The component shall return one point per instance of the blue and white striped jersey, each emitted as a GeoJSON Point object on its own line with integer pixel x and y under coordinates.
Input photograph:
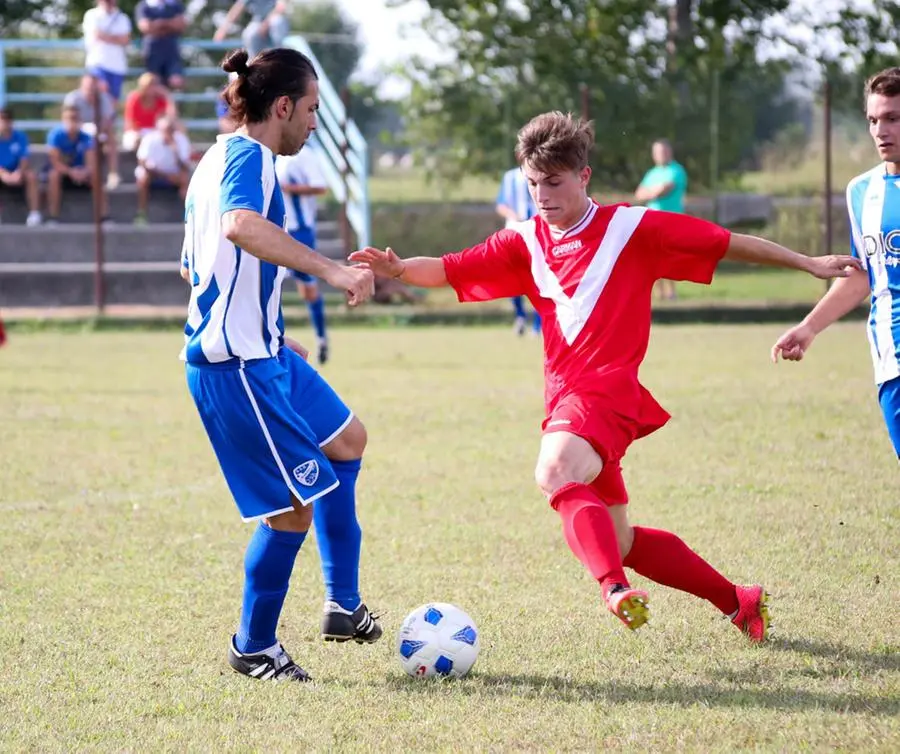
{"type": "Point", "coordinates": [514, 194]}
{"type": "Point", "coordinates": [873, 201]}
{"type": "Point", "coordinates": [235, 308]}
{"type": "Point", "coordinates": [301, 169]}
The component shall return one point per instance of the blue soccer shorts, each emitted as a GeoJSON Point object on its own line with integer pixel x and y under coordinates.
{"type": "Point", "coordinates": [889, 398]}
{"type": "Point", "coordinates": [306, 236]}
{"type": "Point", "coordinates": [267, 422]}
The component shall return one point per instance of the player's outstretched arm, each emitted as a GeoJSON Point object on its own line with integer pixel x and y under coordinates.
{"type": "Point", "coordinates": [422, 272]}
{"type": "Point", "coordinates": [256, 235]}
{"type": "Point", "coordinates": [843, 296]}
{"type": "Point", "coordinates": [754, 250]}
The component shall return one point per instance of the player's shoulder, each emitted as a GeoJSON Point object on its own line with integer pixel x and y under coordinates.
{"type": "Point", "coordinates": [861, 182]}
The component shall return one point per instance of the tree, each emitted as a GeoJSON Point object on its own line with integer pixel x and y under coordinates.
{"type": "Point", "coordinates": [651, 67]}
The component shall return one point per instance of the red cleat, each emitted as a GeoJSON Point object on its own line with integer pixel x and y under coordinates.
{"type": "Point", "coordinates": [629, 606]}
{"type": "Point", "coordinates": [753, 612]}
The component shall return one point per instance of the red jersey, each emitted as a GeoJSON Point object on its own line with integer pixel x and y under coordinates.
{"type": "Point", "coordinates": [139, 117]}
{"type": "Point", "coordinates": [592, 286]}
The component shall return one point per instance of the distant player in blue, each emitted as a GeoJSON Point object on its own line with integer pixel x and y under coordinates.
{"type": "Point", "coordinates": [873, 202]}
{"type": "Point", "coordinates": [301, 182]}
{"type": "Point", "coordinates": [290, 450]}
{"type": "Point", "coordinates": [664, 187]}
{"type": "Point", "coordinates": [515, 205]}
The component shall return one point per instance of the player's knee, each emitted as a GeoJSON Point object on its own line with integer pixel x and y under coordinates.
{"type": "Point", "coordinates": [349, 444]}
{"type": "Point", "coordinates": [297, 520]}
{"type": "Point", "coordinates": [555, 471]}
{"type": "Point", "coordinates": [311, 292]}
{"type": "Point", "coordinates": [551, 474]}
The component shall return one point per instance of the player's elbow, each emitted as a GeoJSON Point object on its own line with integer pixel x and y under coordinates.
{"type": "Point", "coordinates": [236, 226]}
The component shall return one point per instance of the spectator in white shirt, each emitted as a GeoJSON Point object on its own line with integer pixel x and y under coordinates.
{"type": "Point", "coordinates": [107, 32]}
{"type": "Point", "coordinates": [164, 161]}
{"type": "Point", "coordinates": [100, 124]}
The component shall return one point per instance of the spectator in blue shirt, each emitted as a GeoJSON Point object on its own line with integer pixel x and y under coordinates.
{"type": "Point", "coordinates": [72, 161]}
{"type": "Point", "coordinates": [16, 174]}
{"type": "Point", "coordinates": [162, 23]}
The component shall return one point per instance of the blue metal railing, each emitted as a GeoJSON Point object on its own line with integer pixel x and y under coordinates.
{"type": "Point", "coordinates": [343, 146]}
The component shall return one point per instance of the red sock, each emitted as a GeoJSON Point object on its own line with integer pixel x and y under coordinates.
{"type": "Point", "coordinates": [662, 557]}
{"type": "Point", "coordinates": [2, 333]}
{"type": "Point", "coordinates": [590, 533]}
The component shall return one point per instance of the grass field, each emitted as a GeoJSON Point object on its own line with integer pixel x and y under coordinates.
{"type": "Point", "coordinates": [121, 566]}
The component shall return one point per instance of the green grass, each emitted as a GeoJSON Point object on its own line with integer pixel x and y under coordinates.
{"type": "Point", "coordinates": [121, 567]}
{"type": "Point", "coordinates": [414, 186]}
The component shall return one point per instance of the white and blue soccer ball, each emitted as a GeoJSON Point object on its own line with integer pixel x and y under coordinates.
{"type": "Point", "coordinates": [438, 639]}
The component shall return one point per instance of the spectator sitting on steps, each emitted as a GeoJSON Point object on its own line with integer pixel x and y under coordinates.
{"type": "Point", "coordinates": [16, 174]}
{"type": "Point", "coordinates": [143, 107]}
{"type": "Point", "coordinates": [72, 162]}
{"type": "Point", "coordinates": [99, 125]}
{"type": "Point", "coordinates": [268, 25]}
{"type": "Point", "coordinates": [164, 161]}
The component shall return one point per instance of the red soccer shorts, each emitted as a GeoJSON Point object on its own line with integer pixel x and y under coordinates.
{"type": "Point", "coordinates": [609, 434]}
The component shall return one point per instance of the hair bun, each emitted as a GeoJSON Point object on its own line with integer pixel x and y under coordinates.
{"type": "Point", "coordinates": [236, 62]}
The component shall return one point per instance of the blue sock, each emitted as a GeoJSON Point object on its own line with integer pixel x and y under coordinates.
{"type": "Point", "coordinates": [537, 322]}
{"type": "Point", "coordinates": [519, 306]}
{"type": "Point", "coordinates": [267, 568]}
{"type": "Point", "coordinates": [339, 537]}
{"type": "Point", "coordinates": [317, 315]}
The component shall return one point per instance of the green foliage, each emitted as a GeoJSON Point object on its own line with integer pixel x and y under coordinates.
{"type": "Point", "coordinates": [646, 77]}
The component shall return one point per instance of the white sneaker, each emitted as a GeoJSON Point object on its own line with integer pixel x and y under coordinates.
{"type": "Point", "coordinates": [34, 219]}
{"type": "Point", "coordinates": [113, 181]}
{"type": "Point", "coordinates": [520, 326]}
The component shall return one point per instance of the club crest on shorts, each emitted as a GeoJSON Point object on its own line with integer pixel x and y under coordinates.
{"type": "Point", "coordinates": [307, 473]}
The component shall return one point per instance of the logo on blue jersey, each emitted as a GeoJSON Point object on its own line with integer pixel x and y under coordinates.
{"type": "Point", "coordinates": [307, 473]}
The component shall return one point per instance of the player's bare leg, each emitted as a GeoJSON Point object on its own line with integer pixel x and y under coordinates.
{"type": "Point", "coordinates": [566, 465]}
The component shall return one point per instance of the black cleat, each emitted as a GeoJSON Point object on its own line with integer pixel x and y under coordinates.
{"type": "Point", "coordinates": [272, 664]}
{"type": "Point", "coordinates": [342, 625]}
{"type": "Point", "coordinates": [323, 351]}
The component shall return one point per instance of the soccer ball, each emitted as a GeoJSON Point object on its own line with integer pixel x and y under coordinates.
{"type": "Point", "coordinates": [438, 639]}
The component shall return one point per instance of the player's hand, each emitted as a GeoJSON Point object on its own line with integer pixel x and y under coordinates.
{"type": "Point", "coordinates": [385, 264]}
{"type": "Point", "coordinates": [793, 344]}
{"type": "Point", "coordinates": [297, 348]}
{"type": "Point", "coordinates": [833, 266]}
{"type": "Point", "coordinates": [357, 280]}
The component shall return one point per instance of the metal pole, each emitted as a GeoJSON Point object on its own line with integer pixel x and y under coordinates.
{"type": "Point", "coordinates": [97, 195]}
{"type": "Point", "coordinates": [714, 143]}
{"type": "Point", "coordinates": [345, 170]}
{"type": "Point", "coordinates": [826, 114]}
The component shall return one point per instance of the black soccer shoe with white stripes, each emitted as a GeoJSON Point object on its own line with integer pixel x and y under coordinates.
{"type": "Point", "coordinates": [272, 664]}
{"type": "Point", "coordinates": [342, 625]}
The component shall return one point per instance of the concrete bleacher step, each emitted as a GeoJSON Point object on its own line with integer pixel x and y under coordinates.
{"type": "Point", "coordinates": [57, 264]}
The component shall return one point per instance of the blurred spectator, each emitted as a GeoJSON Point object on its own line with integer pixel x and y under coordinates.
{"type": "Point", "coordinates": [104, 131]}
{"type": "Point", "coordinates": [107, 32]}
{"type": "Point", "coordinates": [72, 162]}
{"type": "Point", "coordinates": [663, 187]}
{"type": "Point", "coordinates": [16, 174]}
{"type": "Point", "coordinates": [268, 25]}
{"type": "Point", "coordinates": [164, 161]}
{"type": "Point", "coordinates": [162, 23]}
{"type": "Point", "coordinates": [143, 107]}
{"type": "Point", "coordinates": [223, 113]}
